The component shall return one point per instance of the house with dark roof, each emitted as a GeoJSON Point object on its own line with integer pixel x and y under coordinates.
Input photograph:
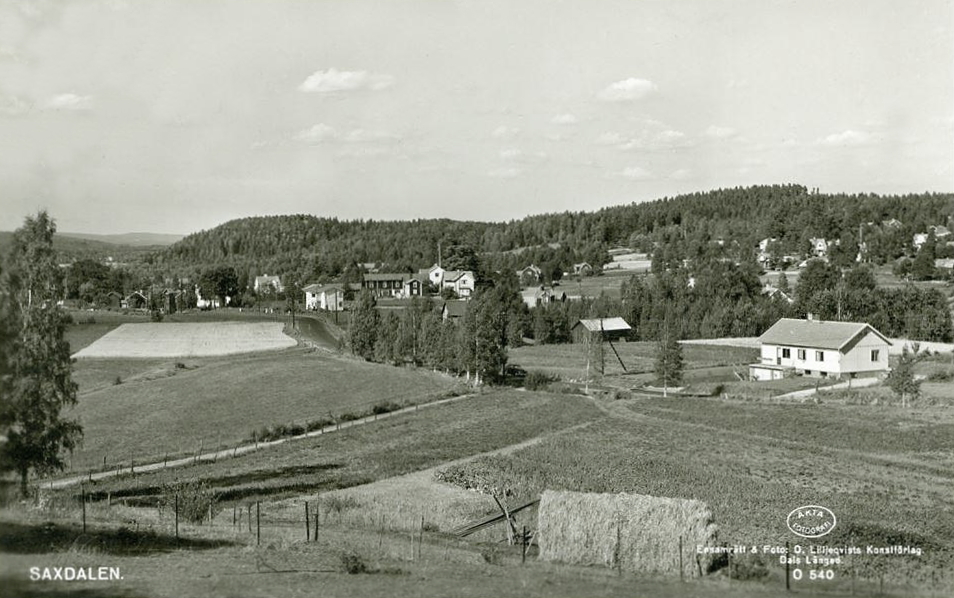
{"type": "Point", "coordinates": [385, 284]}
{"type": "Point", "coordinates": [530, 276]}
{"type": "Point", "coordinates": [453, 309]}
{"type": "Point", "coordinates": [820, 348]}
{"type": "Point", "coordinates": [609, 329]}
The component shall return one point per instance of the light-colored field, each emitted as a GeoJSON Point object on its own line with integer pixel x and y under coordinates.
{"type": "Point", "coordinates": [165, 340]}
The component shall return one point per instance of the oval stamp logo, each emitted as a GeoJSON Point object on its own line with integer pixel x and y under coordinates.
{"type": "Point", "coordinates": [811, 521]}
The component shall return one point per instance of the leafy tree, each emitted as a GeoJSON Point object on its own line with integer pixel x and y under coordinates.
{"type": "Point", "coordinates": [901, 379]}
{"type": "Point", "coordinates": [365, 321]}
{"type": "Point", "coordinates": [219, 282]}
{"type": "Point", "coordinates": [923, 266]}
{"type": "Point", "coordinates": [35, 365]}
{"type": "Point", "coordinates": [669, 363]}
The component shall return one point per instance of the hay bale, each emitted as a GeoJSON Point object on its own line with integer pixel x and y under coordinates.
{"type": "Point", "coordinates": [632, 531]}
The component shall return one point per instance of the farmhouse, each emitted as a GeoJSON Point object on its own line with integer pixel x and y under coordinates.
{"type": "Point", "coordinates": [541, 295]}
{"type": "Point", "coordinates": [582, 269]}
{"type": "Point", "coordinates": [820, 348]}
{"type": "Point", "coordinates": [385, 284]}
{"type": "Point", "coordinates": [330, 298]}
{"type": "Point", "coordinates": [460, 281]}
{"type": "Point", "coordinates": [268, 284]}
{"type": "Point", "coordinates": [435, 274]}
{"type": "Point", "coordinates": [530, 275]}
{"type": "Point", "coordinates": [609, 329]}
{"type": "Point", "coordinates": [135, 300]}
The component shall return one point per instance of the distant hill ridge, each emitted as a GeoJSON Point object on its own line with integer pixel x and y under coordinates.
{"type": "Point", "coordinates": [130, 239]}
{"type": "Point", "coordinates": [311, 247]}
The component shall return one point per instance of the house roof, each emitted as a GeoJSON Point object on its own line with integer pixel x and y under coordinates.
{"type": "Point", "coordinates": [452, 275]}
{"type": "Point", "coordinates": [402, 276]}
{"type": "Point", "coordinates": [455, 309]}
{"type": "Point", "coordinates": [820, 334]}
{"type": "Point", "coordinates": [604, 324]}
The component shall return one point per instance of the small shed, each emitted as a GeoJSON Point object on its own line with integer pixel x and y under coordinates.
{"type": "Point", "coordinates": [114, 300]}
{"type": "Point", "coordinates": [135, 300]}
{"type": "Point", "coordinates": [607, 329]}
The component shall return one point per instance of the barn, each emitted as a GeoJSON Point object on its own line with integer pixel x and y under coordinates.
{"type": "Point", "coordinates": [607, 329]}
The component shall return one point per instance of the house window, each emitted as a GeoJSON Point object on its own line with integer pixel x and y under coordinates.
{"type": "Point", "coordinates": [819, 356]}
{"type": "Point", "coordinates": [786, 353]}
{"type": "Point", "coordinates": [801, 354]}
{"type": "Point", "coordinates": [875, 354]}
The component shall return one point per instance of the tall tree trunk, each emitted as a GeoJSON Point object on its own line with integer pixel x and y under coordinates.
{"type": "Point", "coordinates": [24, 490]}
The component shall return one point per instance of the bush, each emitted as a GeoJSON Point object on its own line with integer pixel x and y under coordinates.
{"type": "Point", "coordinates": [386, 407]}
{"type": "Point", "coordinates": [537, 380]}
{"type": "Point", "coordinates": [196, 500]}
{"type": "Point", "coordinates": [353, 564]}
{"type": "Point", "coordinates": [155, 315]}
{"type": "Point", "coordinates": [117, 381]}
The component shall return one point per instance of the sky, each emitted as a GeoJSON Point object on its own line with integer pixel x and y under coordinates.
{"type": "Point", "coordinates": [175, 116]}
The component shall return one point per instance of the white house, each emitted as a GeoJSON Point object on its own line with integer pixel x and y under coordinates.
{"type": "Point", "coordinates": [208, 303]}
{"type": "Point", "coordinates": [329, 298]}
{"type": "Point", "coordinates": [822, 349]}
{"type": "Point", "coordinates": [262, 284]}
{"type": "Point", "coordinates": [461, 281]}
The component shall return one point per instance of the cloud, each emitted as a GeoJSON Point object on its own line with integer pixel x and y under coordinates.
{"type": "Point", "coordinates": [609, 138]}
{"type": "Point", "coordinates": [365, 136]}
{"type": "Point", "coordinates": [510, 154]}
{"type": "Point", "coordinates": [322, 133]}
{"type": "Point", "coordinates": [504, 132]}
{"type": "Point", "coordinates": [845, 138]}
{"type": "Point", "coordinates": [636, 173]}
{"type": "Point", "coordinates": [317, 134]}
{"type": "Point", "coordinates": [564, 119]}
{"type": "Point", "coordinates": [627, 90]}
{"type": "Point", "coordinates": [718, 132]}
{"type": "Point", "coordinates": [681, 174]}
{"type": "Point", "coordinates": [13, 106]}
{"type": "Point", "coordinates": [505, 173]}
{"type": "Point", "coordinates": [333, 80]}
{"type": "Point", "coordinates": [69, 101]}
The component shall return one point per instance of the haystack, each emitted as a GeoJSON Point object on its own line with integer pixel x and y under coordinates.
{"type": "Point", "coordinates": [631, 531]}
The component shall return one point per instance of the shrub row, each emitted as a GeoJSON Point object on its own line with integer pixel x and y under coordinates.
{"type": "Point", "coordinates": [268, 433]}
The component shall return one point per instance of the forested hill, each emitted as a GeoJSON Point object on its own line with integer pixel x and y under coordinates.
{"type": "Point", "coordinates": [311, 247]}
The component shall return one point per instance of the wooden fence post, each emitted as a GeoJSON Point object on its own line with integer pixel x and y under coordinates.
{"type": "Point", "coordinates": [523, 542]}
{"type": "Point", "coordinates": [249, 517]}
{"type": "Point", "coordinates": [307, 524]}
{"type": "Point", "coordinates": [258, 522]}
{"type": "Point", "coordinates": [177, 517]}
{"type": "Point", "coordinates": [83, 498]}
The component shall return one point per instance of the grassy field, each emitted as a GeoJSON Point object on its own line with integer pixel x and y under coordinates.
{"type": "Point", "coordinates": [169, 340]}
{"type": "Point", "coordinates": [163, 409]}
{"type": "Point", "coordinates": [378, 450]}
{"type": "Point", "coordinates": [886, 472]}
{"type": "Point", "coordinates": [343, 562]}
{"type": "Point", "coordinates": [569, 362]}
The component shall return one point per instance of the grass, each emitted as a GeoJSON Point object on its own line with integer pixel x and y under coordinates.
{"type": "Point", "coordinates": [375, 451]}
{"type": "Point", "coordinates": [569, 362]}
{"type": "Point", "coordinates": [885, 472]}
{"type": "Point", "coordinates": [219, 402]}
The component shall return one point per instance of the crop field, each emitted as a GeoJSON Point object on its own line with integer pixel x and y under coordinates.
{"type": "Point", "coordinates": [568, 361]}
{"type": "Point", "coordinates": [173, 339]}
{"type": "Point", "coordinates": [378, 450]}
{"type": "Point", "coordinates": [887, 472]}
{"type": "Point", "coordinates": [165, 409]}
